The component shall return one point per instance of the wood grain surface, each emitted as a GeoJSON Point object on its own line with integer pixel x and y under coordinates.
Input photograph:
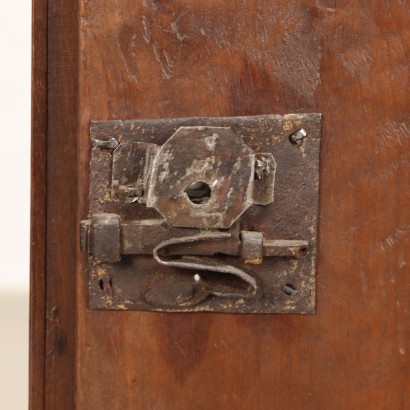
{"type": "Point", "coordinates": [55, 86]}
{"type": "Point", "coordinates": [38, 205]}
{"type": "Point", "coordinates": [161, 59]}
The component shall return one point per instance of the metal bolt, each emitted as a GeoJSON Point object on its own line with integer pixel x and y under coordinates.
{"type": "Point", "coordinates": [289, 289]}
{"type": "Point", "coordinates": [111, 143]}
{"type": "Point", "coordinates": [297, 137]}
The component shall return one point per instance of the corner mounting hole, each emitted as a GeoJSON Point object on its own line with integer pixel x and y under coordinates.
{"type": "Point", "coordinates": [198, 192]}
{"type": "Point", "coordinates": [303, 250]}
{"type": "Point", "coordinates": [289, 289]}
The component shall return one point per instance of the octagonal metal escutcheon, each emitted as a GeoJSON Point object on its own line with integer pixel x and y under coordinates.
{"type": "Point", "coordinates": [204, 214]}
{"type": "Point", "coordinates": [202, 177]}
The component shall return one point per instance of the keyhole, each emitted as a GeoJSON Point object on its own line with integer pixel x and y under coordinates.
{"type": "Point", "coordinates": [198, 192]}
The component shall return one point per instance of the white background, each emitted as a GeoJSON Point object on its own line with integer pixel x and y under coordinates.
{"type": "Point", "coordinates": [15, 74]}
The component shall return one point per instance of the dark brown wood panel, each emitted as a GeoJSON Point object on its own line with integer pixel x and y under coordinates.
{"type": "Point", "coordinates": [62, 204]}
{"type": "Point", "coordinates": [346, 59]}
{"type": "Point", "coordinates": [38, 204]}
{"type": "Point", "coordinates": [160, 59]}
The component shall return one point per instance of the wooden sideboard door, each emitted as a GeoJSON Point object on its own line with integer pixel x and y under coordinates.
{"type": "Point", "coordinates": [106, 60]}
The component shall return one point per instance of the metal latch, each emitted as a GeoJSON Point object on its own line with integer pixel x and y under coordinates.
{"type": "Point", "coordinates": [204, 214]}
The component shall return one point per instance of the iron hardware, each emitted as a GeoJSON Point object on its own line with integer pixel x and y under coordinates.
{"type": "Point", "coordinates": [203, 214]}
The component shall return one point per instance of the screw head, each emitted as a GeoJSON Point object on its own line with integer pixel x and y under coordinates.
{"type": "Point", "coordinates": [289, 289]}
{"type": "Point", "coordinates": [297, 137]}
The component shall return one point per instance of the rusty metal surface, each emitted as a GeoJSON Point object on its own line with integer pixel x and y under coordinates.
{"type": "Point", "coordinates": [105, 242]}
{"type": "Point", "coordinates": [273, 243]}
{"type": "Point", "coordinates": [212, 156]}
{"type": "Point", "coordinates": [252, 247]}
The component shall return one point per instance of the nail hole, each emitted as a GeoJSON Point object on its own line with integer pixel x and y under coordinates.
{"type": "Point", "coordinates": [303, 250]}
{"type": "Point", "coordinates": [198, 192]}
{"type": "Point", "coordinates": [101, 284]}
{"type": "Point", "coordinates": [289, 289]}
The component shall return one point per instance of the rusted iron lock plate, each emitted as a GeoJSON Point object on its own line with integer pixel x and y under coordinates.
{"type": "Point", "coordinates": [204, 214]}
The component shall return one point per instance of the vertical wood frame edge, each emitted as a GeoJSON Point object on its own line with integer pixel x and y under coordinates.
{"type": "Point", "coordinates": [53, 211]}
{"type": "Point", "coordinates": [38, 205]}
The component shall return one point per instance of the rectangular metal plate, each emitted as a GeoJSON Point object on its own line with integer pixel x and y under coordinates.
{"type": "Point", "coordinates": [286, 284]}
